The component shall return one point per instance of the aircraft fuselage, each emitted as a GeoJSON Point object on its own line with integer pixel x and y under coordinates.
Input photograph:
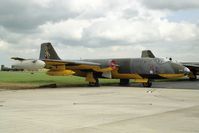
{"type": "Point", "coordinates": [152, 68]}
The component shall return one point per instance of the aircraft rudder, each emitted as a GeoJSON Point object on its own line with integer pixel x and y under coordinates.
{"type": "Point", "coordinates": [48, 52]}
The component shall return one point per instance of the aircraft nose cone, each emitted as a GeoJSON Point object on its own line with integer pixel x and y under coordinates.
{"type": "Point", "coordinates": [186, 71]}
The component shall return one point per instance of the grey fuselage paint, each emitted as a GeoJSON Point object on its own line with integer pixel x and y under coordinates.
{"type": "Point", "coordinates": [145, 67]}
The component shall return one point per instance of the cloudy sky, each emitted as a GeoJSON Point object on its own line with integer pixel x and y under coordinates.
{"type": "Point", "coordinates": [81, 29]}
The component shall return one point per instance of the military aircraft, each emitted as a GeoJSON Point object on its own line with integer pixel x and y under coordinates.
{"type": "Point", "coordinates": [28, 64]}
{"type": "Point", "coordinates": [142, 70]}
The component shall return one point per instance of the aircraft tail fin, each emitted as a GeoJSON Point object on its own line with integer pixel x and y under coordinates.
{"type": "Point", "coordinates": [147, 54]}
{"type": "Point", "coordinates": [48, 52]}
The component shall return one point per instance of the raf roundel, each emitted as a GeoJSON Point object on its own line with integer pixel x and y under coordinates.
{"type": "Point", "coordinates": [112, 64]}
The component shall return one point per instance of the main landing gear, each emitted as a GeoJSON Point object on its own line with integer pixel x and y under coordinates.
{"type": "Point", "coordinates": [94, 84]}
{"type": "Point", "coordinates": [147, 84]}
{"type": "Point", "coordinates": [92, 79]}
{"type": "Point", "coordinates": [124, 82]}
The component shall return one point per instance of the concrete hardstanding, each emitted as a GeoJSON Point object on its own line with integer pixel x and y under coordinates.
{"type": "Point", "coordinates": [99, 110]}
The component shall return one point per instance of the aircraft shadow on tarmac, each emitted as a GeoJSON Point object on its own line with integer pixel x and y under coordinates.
{"type": "Point", "coordinates": [163, 84]}
{"type": "Point", "coordinates": [173, 84]}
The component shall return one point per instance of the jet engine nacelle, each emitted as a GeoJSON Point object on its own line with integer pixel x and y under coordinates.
{"type": "Point", "coordinates": [29, 64]}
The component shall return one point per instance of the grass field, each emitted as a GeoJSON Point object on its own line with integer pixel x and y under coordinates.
{"type": "Point", "coordinates": [41, 78]}
{"type": "Point", "coordinates": [18, 80]}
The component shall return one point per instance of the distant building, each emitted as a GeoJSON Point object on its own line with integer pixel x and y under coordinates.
{"type": "Point", "coordinates": [3, 68]}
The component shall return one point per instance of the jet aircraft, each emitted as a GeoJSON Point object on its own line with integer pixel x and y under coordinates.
{"type": "Point", "coordinates": [142, 70]}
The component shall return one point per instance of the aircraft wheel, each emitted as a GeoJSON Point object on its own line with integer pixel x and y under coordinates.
{"type": "Point", "coordinates": [94, 84]}
{"type": "Point", "coordinates": [124, 82]}
{"type": "Point", "coordinates": [147, 84]}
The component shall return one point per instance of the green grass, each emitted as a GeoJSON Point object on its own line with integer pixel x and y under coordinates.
{"type": "Point", "coordinates": [41, 78]}
{"type": "Point", "coordinates": [26, 79]}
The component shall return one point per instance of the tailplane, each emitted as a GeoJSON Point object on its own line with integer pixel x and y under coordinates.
{"type": "Point", "coordinates": [147, 54]}
{"type": "Point", "coordinates": [48, 52]}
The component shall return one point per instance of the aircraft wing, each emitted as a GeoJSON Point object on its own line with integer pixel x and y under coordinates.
{"type": "Point", "coordinates": [69, 62]}
{"type": "Point", "coordinates": [77, 65]}
{"type": "Point", "coordinates": [18, 58]}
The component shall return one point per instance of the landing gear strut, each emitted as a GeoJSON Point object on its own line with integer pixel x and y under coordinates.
{"type": "Point", "coordinates": [147, 84]}
{"type": "Point", "coordinates": [94, 84]}
{"type": "Point", "coordinates": [92, 79]}
{"type": "Point", "coordinates": [193, 76]}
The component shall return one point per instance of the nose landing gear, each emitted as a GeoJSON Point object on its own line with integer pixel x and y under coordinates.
{"type": "Point", "coordinates": [193, 76]}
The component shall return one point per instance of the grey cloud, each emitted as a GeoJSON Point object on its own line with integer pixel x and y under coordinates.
{"type": "Point", "coordinates": [130, 13]}
{"type": "Point", "coordinates": [94, 42]}
{"type": "Point", "coordinates": [25, 16]}
{"type": "Point", "coordinates": [19, 21]}
{"type": "Point", "coordinates": [171, 4]}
